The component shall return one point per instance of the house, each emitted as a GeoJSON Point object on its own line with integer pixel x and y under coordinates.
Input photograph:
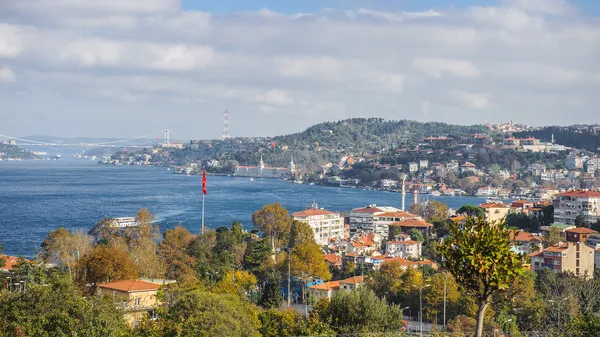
{"type": "Point", "coordinates": [579, 205]}
{"type": "Point", "coordinates": [524, 242]}
{"type": "Point", "coordinates": [468, 167]}
{"type": "Point", "coordinates": [511, 142]}
{"type": "Point", "coordinates": [403, 247]}
{"type": "Point", "coordinates": [423, 164]}
{"type": "Point", "coordinates": [334, 260]}
{"type": "Point", "coordinates": [494, 211]}
{"type": "Point", "coordinates": [561, 228]}
{"type": "Point", "coordinates": [406, 226]}
{"type": "Point", "coordinates": [579, 234]}
{"type": "Point", "coordinates": [9, 264]}
{"type": "Point", "coordinates": [521, 206]}
{"type": "Point", "coordinates": [363, 219]}
{"type": "Point", "coordinates": [530, 141]}
{"type": "Point", "coordinates": [327, 289]}
{"type": "Point", "coordinates": [136, 298]}
{"type": "Point", "coordinates": [572, 257]}
{"type": "Point", "coordinates": [326, 225]}
{"type": "Point", "coordinates": [413, 167]}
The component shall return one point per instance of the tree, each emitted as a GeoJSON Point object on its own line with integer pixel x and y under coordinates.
{"type": "Point", "coordinates": [481, 260]}
{"type": "Point", "coordinates": [434, 298]}
{"type": "Point", "coordinates": [287, 323]}
{"type": "Point", "coordinates": [173, 250]}
{"type": "Point", "coordinates": [386, 281]}
{"type": "Point", "coordinates": [434, 210]}
{"type": "Point", "coordinates": [470, 210]}
{"type": "Point", "coordinates": [56, 308]}
{"type": "Point", "coordinates": [2, 258]}
{"type": "Point", "coordinates": [192, 311]}
{"type": "Point", "coordinates": [417, 235]}
{"type": "Point", "coordinates": [63, 248]}
{"type": "Point", "coordinates": [255, 256]}
{"type": "Point", "coordinates": [106, 264]}
{"type": "Point", "coordinates": [301, 233]}
{"type": "Point", "coordinates": [274, 221]}
{"type": "Point", "coordinates": [361, 311]}
{"type": "Point", "coordinates": [272, 295]}
{"type": "Point", "coordinates": [554, 236]}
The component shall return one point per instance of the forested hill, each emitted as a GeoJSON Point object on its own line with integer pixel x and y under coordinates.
{"type": "Point", "coordinates": [578, 136]}
{"type": "Point", "coordinates": [362, 134]}
{"type": "Point", "coordinates": [15, 152]}
{"type": "Point", "coordinates": [317, 145]}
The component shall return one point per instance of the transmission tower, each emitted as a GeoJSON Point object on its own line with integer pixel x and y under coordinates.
{"type": "Point", "coordinates": [226, 125]}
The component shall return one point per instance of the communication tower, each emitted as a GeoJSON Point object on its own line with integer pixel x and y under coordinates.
{"type": "Point", "coordinates": [226, 125]}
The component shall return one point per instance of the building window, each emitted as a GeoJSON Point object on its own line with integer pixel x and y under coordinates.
{"type": "Point", "coordinates": [138, 301]}
{"type": "Point", "coordinates": [557, 262]}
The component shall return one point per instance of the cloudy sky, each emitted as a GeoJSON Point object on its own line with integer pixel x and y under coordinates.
{"type": "Point", "coordinates": [134, 67]}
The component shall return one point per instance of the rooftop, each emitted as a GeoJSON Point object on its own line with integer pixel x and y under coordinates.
{"type": "Point", "coordinates": [352, 280]}
{"type": "Point", "coordinates": [493, 205]}
{"type": "Point", "coordinates": [130, 286]}
{"type": "Point", "coordinates": [333, 285]}
{"type": "Point", "coordinates": [581, 230]}
{"type": "Point", "coordinates": [580, 194]}
{"type": "Point", "coordinates": [412, 223]}
{"type": "Point", "coordinates": [312, 212]}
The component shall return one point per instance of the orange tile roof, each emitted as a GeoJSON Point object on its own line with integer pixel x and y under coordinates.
{"type": "Point", "coordinates": [11, 261]}
{"type": "Point", "coordinates": [581, 230]}
{"type": "Point", "coordinates": [408, 242]}
{"type": "Point", "coordinates": [557, 247]}
{"type": "Point", "coordinates": [312, 212]}
{"type": "Point", "coordinates": [333, 259]}
{"type": "Point", "coordinates": [400, 214]}
{"type": "Point", "coordinates": [523, 236]}
{"type": "Point", "coordinates": [367, 210]}
{"type": "Point", "coordinates": [467, 164]}
{"type": "Point", "coordinates": [352, 280]}
{"type": "Point", "coordinates": [580, 193]}
{"type": "Point", "coordinates": [493, 205]}
{"type": "Point", "coordinates": [130, 285]}
{"type": "Point", "coordinates": [536, 253]}
{"type": "Point", "coordinates": [333, 285]}
{"type": "Point", "coordinates": [411, 223]}
{"type": "Point", "coordinates": [520, 203]}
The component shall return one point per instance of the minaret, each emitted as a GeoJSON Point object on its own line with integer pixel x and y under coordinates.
{"type": "Point", "coordinates": [292, 165]}
{"type": "Point", "coordinates": [416, 197]}
{"type": "Point", "coordinates": [262, 163]}
{"type": "Point", "coordinates": [403, 190]}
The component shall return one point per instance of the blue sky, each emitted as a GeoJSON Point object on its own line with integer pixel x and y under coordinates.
{"type": "Point", "coordinates": [589, 7]}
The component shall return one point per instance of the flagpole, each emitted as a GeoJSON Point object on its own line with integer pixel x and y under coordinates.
{"type": "Point", "coordinates": [202, 230]}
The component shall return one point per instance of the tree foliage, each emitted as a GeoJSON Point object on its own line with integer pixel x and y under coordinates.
{"type": "Point", "coordinates": [274, 221]}
{"type": "Point", "coordinates": [105, 264]}
{"type": "Point", "coordinates": [481, 260]}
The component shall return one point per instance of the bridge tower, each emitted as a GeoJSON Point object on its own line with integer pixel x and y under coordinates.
{"type": "Point", "coordinates": [167, 134]}
{"type": "Point", "coordinates": [226, 125]}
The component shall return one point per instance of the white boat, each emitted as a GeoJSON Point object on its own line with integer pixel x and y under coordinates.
{"type": "Point", "coordinates": [251, 179]}
{"type": "Point", "coordinates": [435, 193]}
{"type": "Point", "coordinates": [168, 169]}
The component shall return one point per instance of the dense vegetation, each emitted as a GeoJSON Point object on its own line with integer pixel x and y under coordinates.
{"type": "Point", "coordinates": [15, 152]}
{"type": "Point", "coordinates": [576, 136]}
{"type": "Point", "coordinates": [229, 283]}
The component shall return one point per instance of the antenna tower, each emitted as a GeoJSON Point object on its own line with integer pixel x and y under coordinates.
{"type": "Point", "coordinates": [226, 125]}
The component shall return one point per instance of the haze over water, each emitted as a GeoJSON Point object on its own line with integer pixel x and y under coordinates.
{"type": "Point", "coordinates": [40, 196]}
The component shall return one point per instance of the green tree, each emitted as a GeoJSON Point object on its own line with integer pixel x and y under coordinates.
{"type": "Point", "coordinates": [434, 299]}
{"type": "Point", "coordinates": [256, 256]}
{"type": "Point", "coordinates": [286, 323]}
{"type": "Point", "coordinates": [470, 210]}
{"type": "Point", "coordinates": [274, 221]}
{"type": "Point", "coordinates": [64, 248]}
{"type": "Point", "coordinates": [173, 251]}
{"type": "Point", "coordinates": [481, 260]}
{"type": "Point", "coordinates": [301, 233]}
{"type": "Point", "coordinates": [417, 235]}
{"type": "Point", "coordinates": [361, 311]}
{"type": "Point", "coordinates": [272, 296]}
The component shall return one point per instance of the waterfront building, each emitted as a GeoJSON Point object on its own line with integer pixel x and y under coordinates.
{"type": "Point", "coordinates": [579, 205]}
{"type": "Point", "coordinates": [263, 171]}
{"type": "Point", "coordinates": [326, 225]}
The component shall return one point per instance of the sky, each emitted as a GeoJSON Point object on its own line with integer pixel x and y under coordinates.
{"type": "Point", "coordinates": [127, 68]}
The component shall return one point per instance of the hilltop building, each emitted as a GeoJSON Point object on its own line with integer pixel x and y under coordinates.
{"type": "Point", "coordinates": [263, 171]}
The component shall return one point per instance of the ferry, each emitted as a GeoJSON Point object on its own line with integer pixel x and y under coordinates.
{"type": "Point", "coordinates": [435, 193]}
{"type": "Point", "coordinates": [251, 179]}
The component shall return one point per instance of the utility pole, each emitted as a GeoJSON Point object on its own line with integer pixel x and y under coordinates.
{"type": "Point", "coordinates": [421, 305]}
{"type": "Point", "coordinates": [289, 297]}
{"type": "Point", "coordinates": [403, 190]}
{"type": "Point", "coordinates": [445, 279]}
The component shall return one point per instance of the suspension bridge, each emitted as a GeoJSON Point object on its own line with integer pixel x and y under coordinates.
{"type": "Point", "coordinates": [152, 139]}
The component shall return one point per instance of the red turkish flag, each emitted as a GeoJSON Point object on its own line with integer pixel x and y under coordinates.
{"type": "Point", "coordinates": [204, 183]}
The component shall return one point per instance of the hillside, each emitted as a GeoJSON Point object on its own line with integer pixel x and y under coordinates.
{"type": "Point", "coordinates": [15, 152]}
{"type": "Point", "coordinates": [585, 137]}
{"type": "Point", "coordinates": [317, 145]}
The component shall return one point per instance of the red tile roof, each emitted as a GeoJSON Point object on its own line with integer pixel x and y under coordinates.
{"type": "Point", "coordinates": [557, 247]}
{"type": "Point", "coordinates": [367, 210]}
{"type": "Point", "coordinates": [523, 236]}
{"type": "Point", "coordinates": [333, 259]}
{"type": "Point", "coordinates": [333, 285]}
{"type": "Point", "coordinates": [400, 214]}
{"type": "Point", "coordinates": [493, 205]}
{"type": "Point", "coordinates": [352, 280]}
{"type": "Point", "coordinates": [312, 212]}
{"type": "Point", "coordinates": [411, 223]}
{"type": "Point", "coordinates": [11, 261]}
{"type": "Point", "coordinates": [408, 242]}
{"type": "Point", "coordinates": [581, 194]}
{"type": "Point", "coordinates": [467, 164]}
{"type": "Point", "coordinates": [130, 285]}
{"type": "Point", "coordinates": [581, 230]}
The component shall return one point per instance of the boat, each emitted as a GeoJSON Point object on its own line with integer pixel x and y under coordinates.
{"type": "Point", "coordinates": [57, 157]}
{"type": "Point", "coordinates": [435, 193]}
{"type": "Point", "coordinates": [312, 184]}
{"type": "Point", "coordinates": [168, 169]}
{"type": "Point", "coordinates": [251, 179]}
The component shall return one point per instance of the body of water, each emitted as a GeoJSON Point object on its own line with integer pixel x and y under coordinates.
{"type": "Point", "coordinates": [39, 196]}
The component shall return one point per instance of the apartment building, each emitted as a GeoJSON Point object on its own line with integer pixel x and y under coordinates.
{"type": "Point", "coordinates": [580, 205]}
{"type": "Point", "coordinates": [575, 257]}
{"type": "Point", "coordinates": [370, 220]}
{"type": "Point", "coordinates": [573, 162]}
{"type": "Point", "coordinates": [403, 247]}
{"type": "Point", "coordinates": [494, 211]}
{"type": "Point", "coordinates": [326, 225]}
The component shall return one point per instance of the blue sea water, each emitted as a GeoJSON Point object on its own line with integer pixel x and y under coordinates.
{"type": "Point", "coordinates": [39, 196]}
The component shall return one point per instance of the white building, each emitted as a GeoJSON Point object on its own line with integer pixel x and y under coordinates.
{"type": "Point", "coordinates": [387, 183]}
{"type": "Point", "coordinates": [326, 225]}
{"type": "Point", "coordinates": [264, 171]}
{"type": "Point", "coordinates": [423, 164]}
{"type": "Point", "coordinates": [366, 219]}
{"type": "Point", "coordinates": [570, 205]}
{"type": "Point", "coordinates": [413, 167]}
{"type": "Point", "coordinates": [403, 247]}
{"type": "Point", "coordinates": [573, 162]}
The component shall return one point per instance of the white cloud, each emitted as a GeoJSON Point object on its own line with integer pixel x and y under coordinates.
{"type": "Point", "coordinates": [6, 75]}
{"type": "Point", "coordinates": [471, 100]}
{"type": "Point", "coordinates": [151, 56]}
{"type": "Point", "coordinates": [275, 97]}
{"type": "Point", "coordinates": [437, 67]}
